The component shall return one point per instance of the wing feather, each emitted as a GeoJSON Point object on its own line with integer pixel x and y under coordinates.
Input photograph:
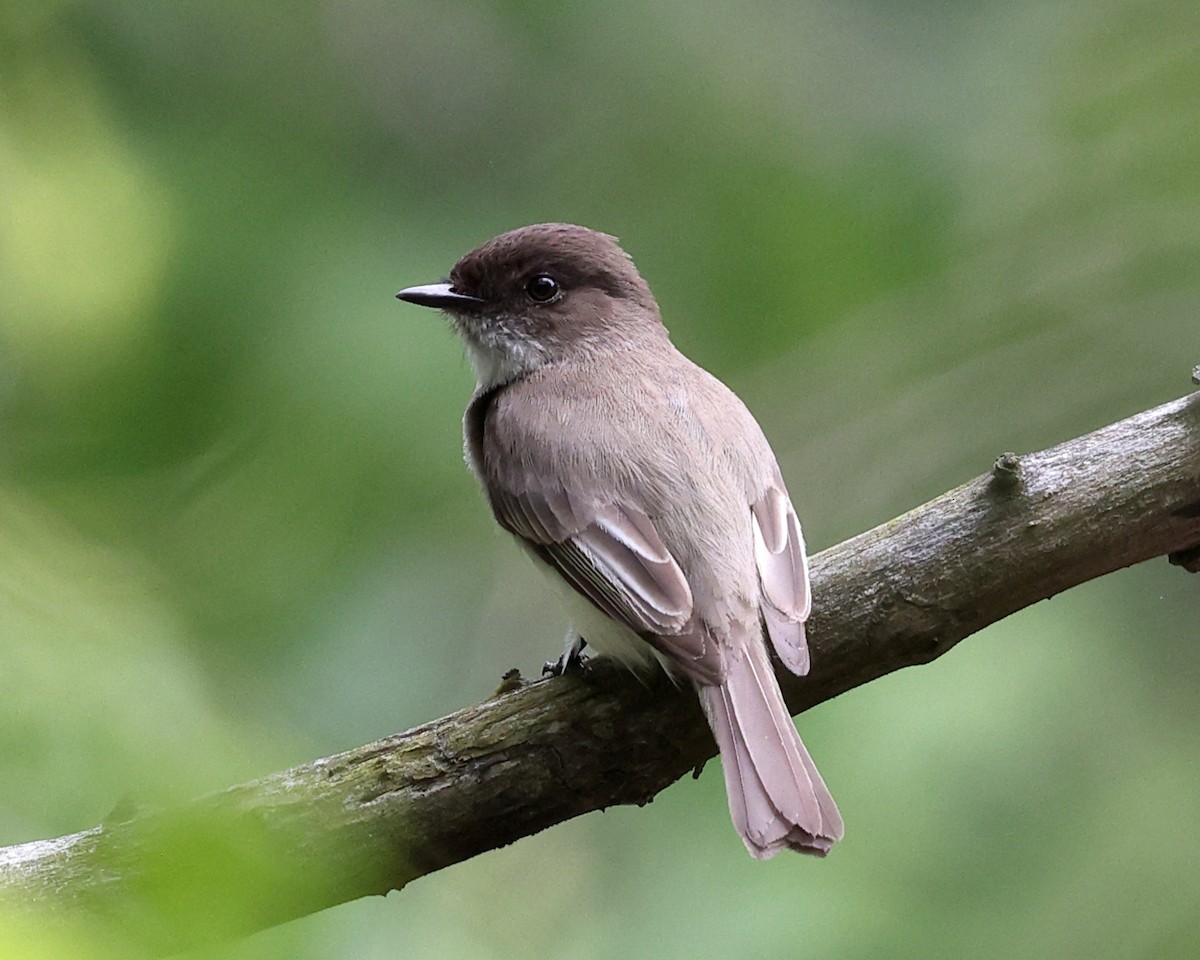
{"type": "Point", "coordinates": [783, 575]}
{"type": "Point", "coordinates": [613, 555]}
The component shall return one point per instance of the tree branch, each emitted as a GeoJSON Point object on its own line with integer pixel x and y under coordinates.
{"type": "Point", "coordinates": [371, 819]}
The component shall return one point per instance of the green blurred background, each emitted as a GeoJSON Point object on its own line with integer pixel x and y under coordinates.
{"type": "Point", "coordinates": [236, 532]}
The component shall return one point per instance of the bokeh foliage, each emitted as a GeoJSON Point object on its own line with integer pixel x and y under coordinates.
{"type": "Point", "coordinates": [235, 532]}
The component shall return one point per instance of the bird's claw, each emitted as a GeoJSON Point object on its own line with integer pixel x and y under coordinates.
{"type": "Point", "coordinates": [572, 661]}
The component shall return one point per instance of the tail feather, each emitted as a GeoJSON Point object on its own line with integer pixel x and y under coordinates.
{"type": "Point", "coordinates": [777, 798]}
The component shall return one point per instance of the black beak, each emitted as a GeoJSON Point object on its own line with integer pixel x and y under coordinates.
{"type": "Point", "coordinates": [438, 295]}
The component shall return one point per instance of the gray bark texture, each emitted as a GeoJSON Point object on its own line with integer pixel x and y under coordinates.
{"type": "Point", "coordinates": [373, 818]}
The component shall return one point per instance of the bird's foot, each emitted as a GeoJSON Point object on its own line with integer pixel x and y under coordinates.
{"type": "Point", "coordinates": [572, 661]}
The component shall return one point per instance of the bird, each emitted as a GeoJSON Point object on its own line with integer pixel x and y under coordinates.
{"type": "Point", "coordinates": [648, 490]}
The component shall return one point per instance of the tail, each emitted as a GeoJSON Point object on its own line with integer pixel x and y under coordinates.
{"type": "Point", "coordinates": [776, 797]}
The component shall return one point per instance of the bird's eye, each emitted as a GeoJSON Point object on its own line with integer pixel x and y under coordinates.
{"type": "Point", "coordinates": [542, 288]}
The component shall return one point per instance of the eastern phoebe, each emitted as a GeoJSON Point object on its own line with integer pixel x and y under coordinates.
{"type": "Point", "coordinates": [645, 484]}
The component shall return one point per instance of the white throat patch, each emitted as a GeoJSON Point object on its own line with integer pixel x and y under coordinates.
{"type": "Point", "coordinates": [497, 356]}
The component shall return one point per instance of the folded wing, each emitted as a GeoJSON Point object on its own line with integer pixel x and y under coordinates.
{"type": "Point", "coordinates": [783, 576]}
{"type": "Point", "coordinates": [612, 554]}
